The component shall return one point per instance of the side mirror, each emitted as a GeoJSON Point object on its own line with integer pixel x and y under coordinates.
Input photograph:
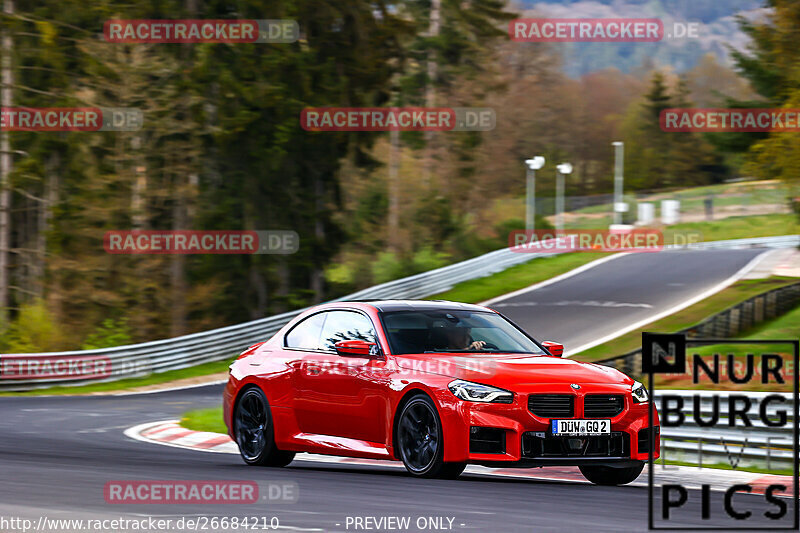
{"type": "Point", "coordinates": [357, 348]}
{"type": "Point", "coordinates": [554, 348]}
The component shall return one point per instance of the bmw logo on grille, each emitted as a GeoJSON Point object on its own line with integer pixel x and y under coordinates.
{"type": "Point", "coordinates": [575, 386]}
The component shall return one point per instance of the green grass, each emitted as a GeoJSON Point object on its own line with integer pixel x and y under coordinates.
{"type": "Point", "coordinates": [516, 277]}
{"type": "Point", "coordinates": [589, 223]}
{"type": "Point", "coordinates": [693, 314]}
{"type": "Point", "coordinates": [742, 227]}
{"type": "Point", "coordinates": [726, 466]}
{"type": "Point", "coordinates": [130, 383]}
{"type": "Point", "coordinates": [725, 194]}
{"type": "Point", "coordinates": [783, 327]}
{"type": "Point", "coordinates": [719, 230]}
{"type": "Point", "coordinates": [204, 420]}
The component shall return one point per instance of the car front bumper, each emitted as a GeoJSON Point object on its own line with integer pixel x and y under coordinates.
{"type": "Point", "coordinates": [512, 435]}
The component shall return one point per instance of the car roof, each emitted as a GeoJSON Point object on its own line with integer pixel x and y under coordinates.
{"type": "Point", "coordinates": [419, 305]}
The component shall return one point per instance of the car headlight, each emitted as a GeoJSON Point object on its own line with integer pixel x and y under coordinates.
{"type": "Point", "coordinates": [475, 392]}
{"type": "Point", "coordinates": [639, 393]}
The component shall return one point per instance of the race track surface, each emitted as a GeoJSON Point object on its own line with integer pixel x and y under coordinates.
{"type": "Point", "coordinates": [631, 288]}
{"type": "Point", "coordinates": [57, 453]}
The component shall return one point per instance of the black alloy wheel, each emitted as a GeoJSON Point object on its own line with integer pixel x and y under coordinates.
{"type": "Point", "coordinates": [419, 439]}
{"type": "Point", "coordinates": [252, 422]}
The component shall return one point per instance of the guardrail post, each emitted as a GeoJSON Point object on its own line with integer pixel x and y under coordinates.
{"type": "Point", "coordinates": [772, 298]}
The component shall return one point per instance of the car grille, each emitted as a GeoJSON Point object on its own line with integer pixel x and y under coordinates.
{"type": "Point", "coordinates": [614, 445]}
{"type": "Point", "coordinates": [552, 405]}
{"type": "Point", "coordinates": [602, 405]}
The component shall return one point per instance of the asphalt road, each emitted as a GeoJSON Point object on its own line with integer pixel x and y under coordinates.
{"type": "Point", "coordinates": [610, 296]}
{"type": "Point", "coordinates": [58, 453]}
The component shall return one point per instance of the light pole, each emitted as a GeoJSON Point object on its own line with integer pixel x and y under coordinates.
{"type": "Point", "coordinates": [619, 148]}
{"type": "Point", "coordinates": [563, 169]}
{"type": "Point", "coordinates": [532, 165]}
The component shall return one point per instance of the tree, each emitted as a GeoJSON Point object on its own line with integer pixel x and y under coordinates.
{"type": "Point", "coordinates": [6, 81]}
{"type": "Point", "coordinates": [771, 65]}
{"type": "Point", "coordinates": [657, 159]}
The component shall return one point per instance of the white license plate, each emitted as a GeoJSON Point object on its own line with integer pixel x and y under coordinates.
{"type": "Point", "coordinates": [580, 427]}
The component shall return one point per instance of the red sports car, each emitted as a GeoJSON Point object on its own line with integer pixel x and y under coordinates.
{"type": "Point", "coordinates": [436, 385]}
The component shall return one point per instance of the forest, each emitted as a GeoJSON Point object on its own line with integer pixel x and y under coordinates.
{"type": "Point", "coordinates": [221, 147]}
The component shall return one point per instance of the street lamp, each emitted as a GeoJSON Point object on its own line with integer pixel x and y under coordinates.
{"type": "Point", "coordinates": [563, 169]}
{"type": "Point", "coordinates": [618, 162]}
{"type": "Point", "coordinates": [533, 165]}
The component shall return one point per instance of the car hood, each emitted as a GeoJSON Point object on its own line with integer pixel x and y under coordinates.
{"type": "Point", "coordinates": [513, 371]}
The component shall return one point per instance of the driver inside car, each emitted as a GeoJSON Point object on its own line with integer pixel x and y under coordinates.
{"type": "Point", "coordinates": [455, 338]}
{"type": "Point", "coordinates": [459, 339]}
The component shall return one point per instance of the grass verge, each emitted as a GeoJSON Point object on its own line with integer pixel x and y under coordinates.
{"type": "Point", "coordinates": [204, 420]}
{"type": "Point", "coordinates": [516, 277]}
{"type": "Point", "coordinates": [726, 466]}
{"type": "Point", "coordinates": [742, 227]}
{"type": "Point", "coordinates": [693, 314]}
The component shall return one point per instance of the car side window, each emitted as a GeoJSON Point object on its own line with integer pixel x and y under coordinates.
{"type": "Point", "coordinates": [345, 326]}
{"type": "Point", "coordinates": [305, 335]}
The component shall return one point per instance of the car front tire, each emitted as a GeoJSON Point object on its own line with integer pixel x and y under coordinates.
{"type": "Point", "coordinates": [255, 433]}
{"type": "Point", "coordinates": [420, 441]}
{"type": "Point", "coordinates": [607, 475]}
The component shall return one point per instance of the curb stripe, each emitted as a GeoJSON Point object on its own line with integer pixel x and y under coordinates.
{"type": "Point", "coordinates": [171, 433]}
{"type": "Point", "coordinates": [213, 442]}
{"type": "Point", "coordinates": [175, 436]}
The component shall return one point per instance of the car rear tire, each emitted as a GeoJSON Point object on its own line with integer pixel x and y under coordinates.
{"type": "Point", "coordinates": [255, 432]}
{"type": "Point", "coordinates": [607, 475]}
{"type": "Point", "coordinates": [420, 441]}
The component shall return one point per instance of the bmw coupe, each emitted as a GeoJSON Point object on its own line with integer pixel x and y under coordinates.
{"type": "Point", "coordinates": [436, 385]}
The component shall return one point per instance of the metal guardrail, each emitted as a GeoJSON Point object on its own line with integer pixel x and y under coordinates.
{"type": "Point", "coordinates": [222, 343]}
{"type": "Point", "coordinates": [759, 445]}
{"type": "Point", "coordinates": [725, 324]}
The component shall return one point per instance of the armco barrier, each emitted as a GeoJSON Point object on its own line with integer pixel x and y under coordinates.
{"type": "Point", "coordinates": [214, 345]}
{"type": "Point", "coordinates": [767, 447]}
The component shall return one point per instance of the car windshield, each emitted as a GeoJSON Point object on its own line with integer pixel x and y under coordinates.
{"type": "Point", "coordinates": [454, 331]}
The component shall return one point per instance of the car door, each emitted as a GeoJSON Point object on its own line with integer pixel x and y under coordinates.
{"type": "Point", "coordinates": [337, 395]}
